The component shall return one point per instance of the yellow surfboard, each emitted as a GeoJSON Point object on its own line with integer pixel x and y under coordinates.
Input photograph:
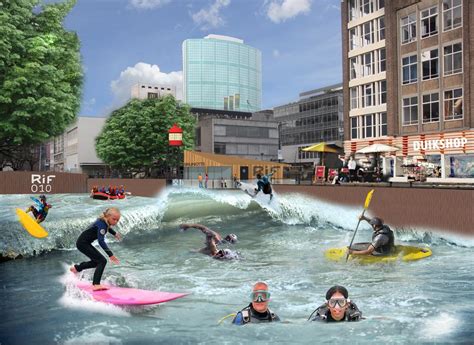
{"type": "Point", "coordinates": [30, 224]}
{"type": "Point", "coordinates": [401, 253]}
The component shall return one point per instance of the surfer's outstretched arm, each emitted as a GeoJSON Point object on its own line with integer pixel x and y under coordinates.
{"type": "Point", "coordinates": [205, 230]}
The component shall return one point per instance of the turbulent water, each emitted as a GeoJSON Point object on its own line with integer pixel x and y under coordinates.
{"type": "Point", "coordinates": [282, 243]}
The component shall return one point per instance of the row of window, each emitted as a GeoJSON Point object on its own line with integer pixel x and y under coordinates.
{"type": "Point", "coordinates": [368, 64]}
{"type": "Point", "coordinates": [367, 33]}
{"type": "Point", "coordinates": [429, 25]}
{"type": "Point", "coordinates": [368, 95]}
{"type": "Point", "coordinates": [360, 8]}
{"type": "Point", "coordinates": [325, 120]}
{"type": "Point", "coordinates": [430, 64]}
{"type": "Point", "coordinates": [318, 104]}
{"type": "Point", "coordinates": [369, 126]}
{"type": "Point", "coordinates": [313, 136]}
{"type": "Point", "coordinates": [453, 107]}
{"type": "Point", "coordinates": [244, 131]}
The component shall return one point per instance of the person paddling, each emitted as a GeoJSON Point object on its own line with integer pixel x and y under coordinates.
{"type": "Point", "coordinates": [97, 231]}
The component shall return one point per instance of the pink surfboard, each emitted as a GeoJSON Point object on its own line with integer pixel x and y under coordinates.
{"type": "Point", "coordinates": [129, 296]}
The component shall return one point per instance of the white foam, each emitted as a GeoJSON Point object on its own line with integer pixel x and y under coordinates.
{"type": "Point", "coordinates": [439, 326]}
{"type": "Point", "coordinates": [74, 298]}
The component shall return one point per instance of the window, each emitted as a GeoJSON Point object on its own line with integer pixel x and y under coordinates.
{"type": "Point", "coordinates": [354, 98]}
{"type": "Point", "coordinates": [354, 128]}
{"type": "Point", "coordinates": [453, 59]}
{"type": "Point", "coordinates": [366, 7]}
{"type": "Point", "coordinates": [226, 103]}
{"type": "Point", "coordinates": [352, 10]}
{"type": "Point", "coordinates": [367, 33]}
{"type": "Point", "coordinates": [429, 60]}
{"type": "Point", "coordinates": [409, 69]}
{"type": "Point", "coordinates": [354, 67]}
{"type": "Point", "coordinates": [410, 110]}
{"type": "Point", "coordinates": [382, 92]}
{"type": "Point", "coordinates": [354, 39]}
{"type": "Point", "coordinates": [408, 28]}
{"type": "Point", "coordinates": [453, 104]}
{"type": "Point", "coordinates": [381, 27]}
{"type": "Point", "coordinates": [368, 64]}
{"type": "Point", "coordinates": [219, 148]}
{"type": "Point", "coordinates": [382, 60]}
{"type": "Point", "coordinates": [429, 22]}
{"type": "Point", "coordinates": [368, 95]}
{"type": "Point", "coordinates": [452, 14]}
{"type": "Point", "coordinates": [237, 101]}
{"type": "Point", "coordinates": [431, 108]}
{"type": "Point", "coordinates": [381, 4]}
{"type": "Point", "coordinates": [382, 126]}
{"type": "Point", "coordinates": [152, 95]}
{"type": "Point", "coordinates": [368, 128]}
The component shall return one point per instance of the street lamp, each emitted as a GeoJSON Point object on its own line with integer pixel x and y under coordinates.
{"type": "Point", "coordinates": [175, 138]}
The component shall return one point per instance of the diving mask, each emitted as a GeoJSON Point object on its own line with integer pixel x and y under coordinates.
{"type": "Point", "coordinates": [260, 296]}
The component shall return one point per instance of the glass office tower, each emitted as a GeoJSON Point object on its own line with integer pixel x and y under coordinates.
{"type": "Point", "coordinates": [222, 72]}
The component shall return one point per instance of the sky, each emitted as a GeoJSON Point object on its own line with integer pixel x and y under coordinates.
{"type": "Point", "coordinates": [124, 42]}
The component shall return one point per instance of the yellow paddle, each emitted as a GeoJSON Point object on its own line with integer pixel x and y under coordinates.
{"type": "Point", "coordinates": [366, 206]}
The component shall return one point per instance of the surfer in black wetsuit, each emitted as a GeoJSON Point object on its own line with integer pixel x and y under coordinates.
{"type": "Point", "coordinates": [97, 231]}
{"type": "Point", "coordinates": [263, 184]}
{"type": "Point", "coordinates": [213, 238]}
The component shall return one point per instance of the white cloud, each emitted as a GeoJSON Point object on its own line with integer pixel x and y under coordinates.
{"type": "Point", "coordinates": [148, 4]}
{"type": "Point", "coordinates": [281, 10]}
{"type": "Point", "coordinates": [210, 18]}
{"type": "Point", "coordinates": [276, 53]}
{"type": "Point", "coordinates": [143, 73]}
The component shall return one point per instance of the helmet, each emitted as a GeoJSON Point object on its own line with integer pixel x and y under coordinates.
{"type": "Point", "coordinates": [232, 238]}
{"type": "Point", "coordinates": [376, 222]}
{"type": "Point", "coordinates": [42, 197]}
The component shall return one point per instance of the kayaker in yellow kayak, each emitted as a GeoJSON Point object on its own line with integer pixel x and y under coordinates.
{"type": "Point", "coordinates": [383, 240]}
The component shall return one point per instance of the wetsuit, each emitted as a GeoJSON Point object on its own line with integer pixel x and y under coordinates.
{"type": "Point", "coordinates": [41, 211]}
{"type": "Point", "coordinates": [323, 314]}
{"type": "Point", "coordinates": [249, 314]}
{"type": "Point", "coordinates": [383, 241]}
{"type": "Point", "coordinates": [264, 185]}
{"type": "Point", "coordinates": [97, 232]}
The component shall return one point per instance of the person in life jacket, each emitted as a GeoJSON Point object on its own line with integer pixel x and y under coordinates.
{"type": "Point", "coordinates": [97, 231]}
{"type": "Point", "coordinates": [41, 210]}
{"type": "Point", "coordinates": [338, 307]}
{"type": "Point", "coordinates": [257, 311]}
{"type": "Point", "coordinates": [263, 184]}
{"type": "Point", "coordinates": [383, 240]}
{"type": "Point", "coordinates": [213, 238]}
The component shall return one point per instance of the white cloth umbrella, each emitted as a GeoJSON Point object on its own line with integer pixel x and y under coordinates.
{"type": "Point", "coordinates": [378, 148]}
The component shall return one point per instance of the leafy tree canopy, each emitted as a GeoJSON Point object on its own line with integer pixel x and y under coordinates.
{"type": "Point", "coordinates": [135, 137]}
{"type": "Point", "coordinates": [40, 73]}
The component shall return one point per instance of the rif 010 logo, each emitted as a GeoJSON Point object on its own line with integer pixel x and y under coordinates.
{"type": "Point", "coordinates": [41, 183]}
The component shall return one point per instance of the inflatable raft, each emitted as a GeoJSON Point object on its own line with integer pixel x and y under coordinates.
{"type": "Point", "coordinates": [105, 196]}
{"type": "Point", "coordinates": [401, 253]}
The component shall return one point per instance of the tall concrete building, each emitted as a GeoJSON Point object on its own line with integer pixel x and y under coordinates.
{"type": "Point", "coordinates": [222, 72]}
{"type": "Point", "coordinates": [316, 117]}
{"type": "Point", "coordinates": [74, 150]}
{"type": "Point", "coordinates": [408, 81]}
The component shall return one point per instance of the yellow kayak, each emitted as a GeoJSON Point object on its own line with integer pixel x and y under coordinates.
{"type": "Point", "coordinates": [30, 224]}
{"type": "Point", "coordinates": [401, 253]}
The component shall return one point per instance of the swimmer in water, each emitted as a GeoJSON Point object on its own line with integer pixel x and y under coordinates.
{"type": "Point", "coordinates": [213, 238]}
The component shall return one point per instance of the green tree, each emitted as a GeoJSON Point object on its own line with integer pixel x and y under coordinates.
{"type": "Point", "coordinates": [135, 137]}
{"type": "Point", "coordinates": [40, 73]}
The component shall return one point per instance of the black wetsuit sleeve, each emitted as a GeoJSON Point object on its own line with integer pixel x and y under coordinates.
{"type": "Point", "coordinates": [101, 231]}
{"type": "Point", "coordinates": [112, 232]}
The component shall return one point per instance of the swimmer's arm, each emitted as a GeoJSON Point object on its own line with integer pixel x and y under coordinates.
{"type": "Point", "coordinates": [213, 247]}
{"type": "Point", "coordinates": [205, 230]}
{"type": "Point", "coordinates": [362, 252]}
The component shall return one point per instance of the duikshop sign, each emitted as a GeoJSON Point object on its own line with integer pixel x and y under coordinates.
{"type": "Point", "coordinates": [439, 144]}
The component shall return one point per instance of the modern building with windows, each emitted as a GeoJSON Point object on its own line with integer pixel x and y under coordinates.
{"type": "Point", "coordinates": [316, 117]}
{"type": "Point", "coordinates": [408, 82]}
{"type": "Point", "coordinates": [146, 91]}
{"type": "Point", "coordinates": [221, 72]}
{"type": "Point", "coordinates": [247, 135]}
